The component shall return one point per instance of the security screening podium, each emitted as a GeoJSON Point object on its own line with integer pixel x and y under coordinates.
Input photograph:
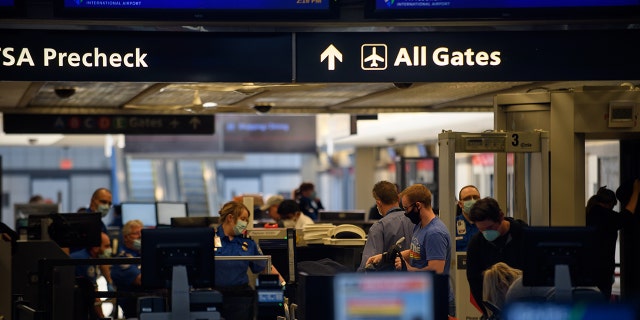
{"type": "Point", "coordinates": [530, 188]}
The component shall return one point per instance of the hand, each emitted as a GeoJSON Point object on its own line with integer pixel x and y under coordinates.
{"type": "Point", "coordinates": [374, 260]}
{"type": "Point", "coordinates": [398, 263]}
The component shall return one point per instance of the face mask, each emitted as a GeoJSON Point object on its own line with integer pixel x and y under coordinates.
{"type": "Point", "coordinates": [137, 244]}
{"type": "Point", "coordinates": [467, 205]}
{"type": "Point", "coordinates": [413, 215]}
{"type": "Point", "coordinates": [106, 254]}
{"type": "Point", "coordinates": [239, 227]}
{"type": "Point", "coordinates": [104, 209]}
{"type": "Point", "coordinates": [491, 235]}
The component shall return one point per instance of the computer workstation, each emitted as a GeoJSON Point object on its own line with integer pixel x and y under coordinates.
{"type": "Point", "coordinates": [184, 261]}
{"type": "Point", "coordinates": [22, 212]}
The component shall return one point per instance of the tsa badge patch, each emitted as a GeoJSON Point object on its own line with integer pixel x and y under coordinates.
{"type": "Point", "coordinates": [461, 227]}
{"type": "Point", "coordinates": [245, 246]}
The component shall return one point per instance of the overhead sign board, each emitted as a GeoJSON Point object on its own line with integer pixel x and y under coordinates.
{"type": "Point", "coordinates": [63, 55]}
{"type": "Point", "coordinates": [466, 56]}
{"type": "Point", "coordinates": [103, 124]}
{"type": "Point", "coordinates": [556, 55]}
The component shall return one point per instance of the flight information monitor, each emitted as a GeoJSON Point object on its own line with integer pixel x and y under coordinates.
{"type": "Point", "coordinates": [12, 8]}
{"type": "Point", "coordinates": [168, 210]}
{"type": "Point", "coordinates": [197, 9]}
{"type": "Point", "coordinates": [500, 9]}
{"type": "Point", "coordinates": [143, 211]}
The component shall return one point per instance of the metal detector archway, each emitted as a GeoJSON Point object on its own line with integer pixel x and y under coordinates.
{"type": "Point", "coordinates": [530, 192]}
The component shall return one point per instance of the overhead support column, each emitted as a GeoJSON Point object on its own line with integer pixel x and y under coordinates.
{"type": "Point", "coordinates": [567, 163]}
{"type": "Point", "coordinates": [364, 176]}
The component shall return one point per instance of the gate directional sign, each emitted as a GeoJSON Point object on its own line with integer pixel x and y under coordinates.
{"type": "Point", "coordinates": [552, 55]}
{"type": "Point", "coordinates": [103, 124]}
{"type": "Point", "coordinates": [466, 56]}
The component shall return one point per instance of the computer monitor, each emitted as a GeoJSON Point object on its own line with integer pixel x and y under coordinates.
{"type": "Point", "coordinates": [396, 295]}
{"type": "Point", "coordinates": [167, 210]}
{"type": "Point", "coordinates": [68, 230]}
{"type": "Point", "coordinates": [143, 211]}
{"type": "Point", "coordinates": [528, 310]}
{"type": "Point", "coordinates": [22, 211]}
{"type": "Point", "coordinates": [280, 244]}
{"type": "Point", "coordinates": [343, 215]}
{"type": "Point", "coordinates": [547, 247]}
{"type": "Point", "coordinates": [193, 222]}
{"type": "Point", "coordinates": [162, 249]}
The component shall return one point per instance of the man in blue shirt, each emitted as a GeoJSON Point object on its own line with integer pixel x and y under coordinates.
{"type": "Point", "coordinates": [127, 277]}
{"type": "Point", "coordinates": [393, 226]}
{"type": "Point", "coordinates": [430, 244]}
{"type": "Point", "coordinates": [87, 275]}
{"type": "Point", "coordinates": [465, 229]}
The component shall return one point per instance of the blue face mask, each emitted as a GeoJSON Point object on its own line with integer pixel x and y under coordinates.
{"type": "Point", "coordinates": [467, 205]}
{"type": "Point", "coordinates": [491, 235]}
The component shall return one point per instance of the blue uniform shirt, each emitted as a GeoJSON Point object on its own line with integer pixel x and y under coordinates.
{"type": "Point", "coordinates": [85, 271]}
{"type": "Point", "coordinates": [465, 230]}
{"type": "Point", "coordinates": [123, 275]}
{"type": "Point", "coordinates": [234, 273]}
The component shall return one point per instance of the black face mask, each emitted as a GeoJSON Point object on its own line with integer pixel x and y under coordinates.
{"type": "Point", "coordinates": [413, 215]}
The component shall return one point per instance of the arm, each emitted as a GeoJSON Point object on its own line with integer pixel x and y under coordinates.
{"type": "Point", "coordinates": [275, 271]}
{"type": "Point", "coordinates": [633, 201]}
{"type": "Point", "coordinates": [373, 245]}
{"type": "Point", "coordinates": [434, 265]}
{"type": "Point", "coordinates": [106, 272]}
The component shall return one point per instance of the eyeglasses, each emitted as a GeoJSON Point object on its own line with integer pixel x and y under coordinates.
{"type": "Point", "coordinates": [409, 207]}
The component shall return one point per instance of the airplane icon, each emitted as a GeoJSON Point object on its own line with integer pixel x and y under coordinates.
{"type": "Point", "coordinates": [374, 61]}
{"type": "Point", "coordinates": [374, 58]}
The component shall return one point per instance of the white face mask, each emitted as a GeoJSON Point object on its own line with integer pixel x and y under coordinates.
{"type": "Point", "coordinates": [240, 226]}
{"type": "Point", "coordinates": [106, 254]}
{"type": "Point", "coordinates": [137, 244]}
{"type": "Point", "coordinates": [467, 205]}
{"type": "Point", "coordinates": [104, 209]}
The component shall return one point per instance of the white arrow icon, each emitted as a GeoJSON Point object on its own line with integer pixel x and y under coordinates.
{"type": "Point", "coordinates": [195, 123]}
{"type": "Point", "coordinates": [332, 53]}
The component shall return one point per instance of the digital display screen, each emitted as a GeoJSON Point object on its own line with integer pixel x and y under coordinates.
{"type": "Point", "coordinates": [201, 4]}
{"type": "Point", "coordinates": [145, 212]}
{"type": "Point", "coordinates": [496, 4]}
{"type": "Point", "coordinates": [168, 210]}
{"type": "Point", "coordinates": [281, 133]}
{"type": "Point", "coordinates": [195, 9]}
{"type": "Point", "coordinates": [12, 8]}
{"type": "Point", "coordinates": [501, 9]}
{"type": "Point", "coordinates": [396, 295]}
